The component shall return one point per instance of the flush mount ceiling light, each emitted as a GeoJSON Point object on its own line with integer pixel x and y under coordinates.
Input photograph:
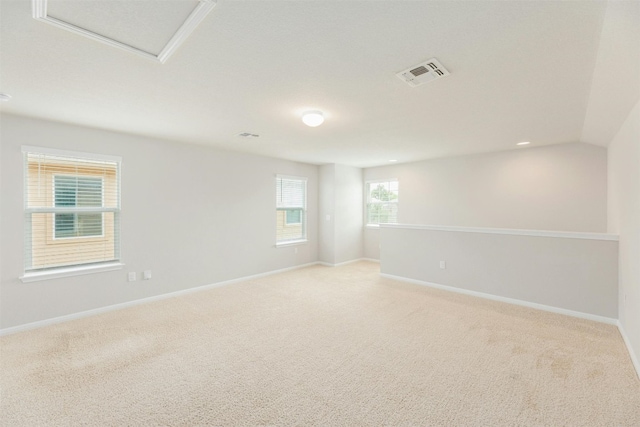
{"type": "Point", "coordinates": [523, 143]}
{"type": "Point", "coordinates": [177, 32]}
{"type": "Point", "coordinates": [393, 160]}
{"type": "Point", "coordinates": [5, 97]}
{"type": "Point", "coordinates": [313, 118]}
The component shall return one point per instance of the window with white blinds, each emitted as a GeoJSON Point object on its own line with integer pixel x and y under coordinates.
{"type": "Point", "coordinates": [291, 209]}
{"type": "Point", "coordinates": [71, 208]}
{"type": "Point", "coordinates": [382, 202]}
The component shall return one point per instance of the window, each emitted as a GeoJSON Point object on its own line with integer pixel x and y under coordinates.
{"type": "Point", "coordinates": [72, 209]}
{"type": "Point", "coordinates": [293, 217]}
{"type": "Point", "coordinates": [382, 202]}
{"type": "Point", "coordinates": [291, 209]}
{"type": "Point", "coordinates": [73, 191]}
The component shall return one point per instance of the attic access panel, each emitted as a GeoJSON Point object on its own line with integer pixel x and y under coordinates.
{"type": "Point", "coordinates": [153, 29]}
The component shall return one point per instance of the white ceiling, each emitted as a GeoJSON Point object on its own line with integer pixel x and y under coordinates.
{"type": "Point", "coordinates": [145, 24]}
{"type": "Point", "coordinates": [520, 71]}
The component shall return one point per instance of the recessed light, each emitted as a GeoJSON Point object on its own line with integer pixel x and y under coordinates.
{"type": "Point", "coordinates": [393, 160]}
{"type": "Point", "coordinates": [523, 143]}
{"type": "Point", "coordinates": [313, 118]}
{"type": "Point", "coordinates": [5, 97]}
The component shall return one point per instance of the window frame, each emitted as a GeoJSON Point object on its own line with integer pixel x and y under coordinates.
{"type": "Point", "coordinates": [67, 270]}
{"type": "Point", "coordinates": [368, 202]}
{"type": "Point", "coordinates": [303, 212]}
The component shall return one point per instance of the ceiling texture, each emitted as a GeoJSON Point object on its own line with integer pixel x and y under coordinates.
{"type": "Point", "coordinates": [538, 71]}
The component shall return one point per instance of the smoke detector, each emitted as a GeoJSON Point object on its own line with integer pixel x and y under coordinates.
{"type": "Point", "coordinates": [423, 73]}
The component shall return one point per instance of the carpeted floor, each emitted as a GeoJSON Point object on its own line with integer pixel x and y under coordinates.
{"type": "Point", "coordinates": [320, 346]}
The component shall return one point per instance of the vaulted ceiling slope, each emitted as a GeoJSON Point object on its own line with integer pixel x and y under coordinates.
{"type": "Point", "coordinates": [520, 71]}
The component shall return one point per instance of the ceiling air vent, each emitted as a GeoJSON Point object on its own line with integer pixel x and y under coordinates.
{"type": "Point", "coordinates": [248, 135]}
{"type": "Point", "coordinates": [423, 73]}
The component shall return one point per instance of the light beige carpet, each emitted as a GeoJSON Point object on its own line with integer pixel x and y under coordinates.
{"type": "Point", "coordinates": [320, 346]}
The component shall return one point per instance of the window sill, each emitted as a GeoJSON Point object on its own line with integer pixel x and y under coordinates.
{"type": "Point", "coordinates": [376, 226]}
{"type": "Point", "coordinates": [70, 271]}
{"type": "Point", "coordinates": [292, 243]}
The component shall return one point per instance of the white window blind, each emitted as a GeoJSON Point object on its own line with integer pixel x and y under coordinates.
{"type": "Point", "coordinates": [382, 202]}
{"type": "Point", "coordinates": [72, 209]}
{"type": "Point", "coordinates": [291, 209]}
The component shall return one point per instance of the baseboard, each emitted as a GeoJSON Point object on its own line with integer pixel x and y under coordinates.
{"type": "Point", "coordinates": [328, 264]}
{"type": "Point", "coordinates": [119, 306]}
{"type": "Point", "coordinates": [537, 306]}
{"type": "Point", "coordinates": [632, 354]}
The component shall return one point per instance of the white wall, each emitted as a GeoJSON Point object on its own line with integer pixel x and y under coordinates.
{"type": "Point", "coordinates": [574, 274]}
{"type": "Point", "coordinates": [193, 215]}
{"type": "Point", "coordinates": [559, 187]}
{"type": "Point", "coordinates": [624, 219]}
{"type": "Point", "coordinates": [326, 202]}
{"type": "Point", "coordinates": [611, 99]}
{"type": "Point", "coordinates": [348, 213]}
{"type": "Point", "coordinates": [341, 213]}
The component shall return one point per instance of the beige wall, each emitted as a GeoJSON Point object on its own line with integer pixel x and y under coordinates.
{"type": "Point", "coordinates": [192, 214]}
{"type": "Point", "coordinates": [326, 217]}
{"type": "Point", "coordinates": [574, 274]}
{"type": "Point", "coordinates": [341, 213]}
{"type": "Point", "coordinates": [624, 219]}
{"type": "Point", "coordinates": [559, 187]}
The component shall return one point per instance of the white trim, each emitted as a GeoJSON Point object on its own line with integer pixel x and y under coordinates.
{"type": "Point", "coordinates": [292, 243]}
{"type": "Point", "coordinates": [76, 270]}
{"type": "Point", "coordinates": [39, 12]}
{"type": "Point", "coordinates": [513, 232]}
{"type": "Point", "coordinates": [79, 209]}
{"type": "Point", "coordinates": [100, 310]}
{"type": "Point", "coordinates": [340, 264]}
{"type": "Point", "coordinates": [73, 154]}
{"type": "Point", "coordinates": [328, 264]}
{"type": "Point", "coordinates": [195, 18]}
{"type": "Point", "coordinates": [578, 314]}
{"type": "Point", "coordinates": [292, 177]}
{"type": "Point", "coordinates": [632, 354]}
{"type": "Point", "coordinates": [377, 181]}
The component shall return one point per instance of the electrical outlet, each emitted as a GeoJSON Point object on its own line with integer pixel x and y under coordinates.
{"type": "Point", "coordinates": [132, 276]}
{"type": "Point", "coordinates": [443, 264]}
{"type": "Point", "coordinates": [146, 275]}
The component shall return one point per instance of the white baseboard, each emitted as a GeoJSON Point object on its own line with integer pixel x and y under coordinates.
{"type": "Point", "coordinates": [632, 354]}
{"type": "Point", "coordinates": [543, 307]}
{"type": "Point", "coordinates": [328, 264]}
{"type": "Point", "coordinates": [93, 312]}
